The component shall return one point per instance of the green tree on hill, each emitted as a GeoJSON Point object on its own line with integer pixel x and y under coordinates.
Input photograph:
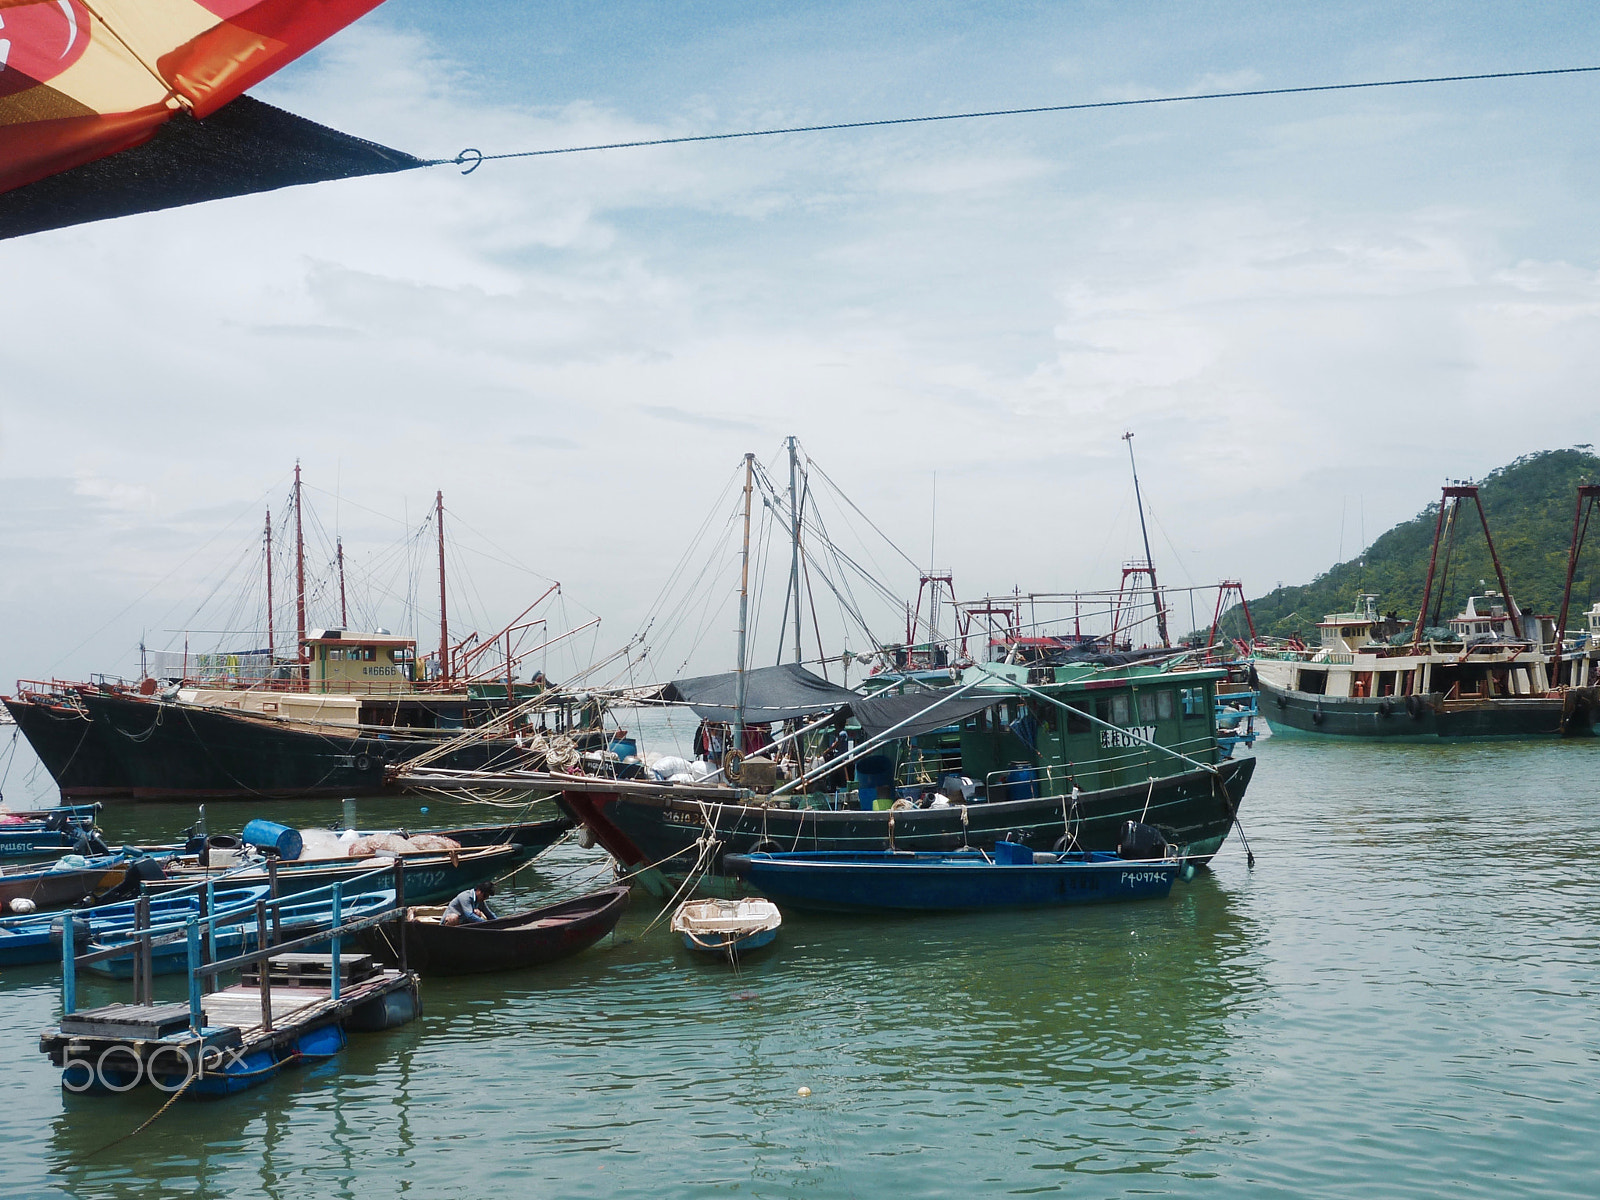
{"type": "Point", "coordinates": [1529, 504]}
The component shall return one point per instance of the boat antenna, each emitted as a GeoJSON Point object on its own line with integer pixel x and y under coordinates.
{"type": "Point", "coordinates": [299, 573]}
{"type": "Point", "coordinates": [271, 649]}
{"type": "Point", "coordinates": [744, 602]}
{"type": "Point", "coordinates": [794, 544]}
{"type": "Point", "coordinates": [444, 621]}
{"type": "Point", "coordinates": [1150, 563]}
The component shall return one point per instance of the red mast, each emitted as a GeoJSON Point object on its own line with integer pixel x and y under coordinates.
{"type": "Point", "coordinates": [270, 655]}
{"type": "Point", "coordinates": [444, 623]}
{"type": "Point", "coordinates": [299, 574]}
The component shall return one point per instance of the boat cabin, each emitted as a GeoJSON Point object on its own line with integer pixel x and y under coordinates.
{"type": "Point", "coordinates": [1025, 746]}
{"type": "Point", "coordinates": [341, 661]}
{"type": "Point", "coordinates": [1344, 633]}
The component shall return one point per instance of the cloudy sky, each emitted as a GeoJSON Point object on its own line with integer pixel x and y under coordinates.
{"type": "Point", "coordinates": [1310, 309]}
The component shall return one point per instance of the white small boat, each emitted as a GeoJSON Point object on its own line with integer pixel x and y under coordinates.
{"type": "Point", "coordinates": [727, 928]}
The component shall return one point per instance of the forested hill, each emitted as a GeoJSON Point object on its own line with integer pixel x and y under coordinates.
{"type": "Point", "coordinates": [1530, 504]}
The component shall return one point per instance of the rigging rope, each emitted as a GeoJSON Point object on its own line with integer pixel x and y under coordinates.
{"type": "Point", "coordinates": [471, 158]}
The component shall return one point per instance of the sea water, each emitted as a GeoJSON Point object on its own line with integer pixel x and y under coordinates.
{"type": "Point", "coordinates": [1400, 999]}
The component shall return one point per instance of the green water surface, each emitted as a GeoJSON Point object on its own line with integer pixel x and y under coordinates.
{"type": "Point", "coordinates": [1399, 1000]}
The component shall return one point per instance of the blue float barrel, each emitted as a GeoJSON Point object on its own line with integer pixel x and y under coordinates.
{"type": "Point", "coordinates": [875, 771]}
{"type": "Point", "coordinates": [269, 835]}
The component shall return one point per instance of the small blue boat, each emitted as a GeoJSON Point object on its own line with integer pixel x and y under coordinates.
{"type": "Point", "coordinates": [236, 931]}
{"type": "Point", "coordinates": [1012, 876]}
{"type": "Point", "coordinates": [37, 939]}
{"type": "Point", "coordinates": [727, 928]}
{"type": "Point", "coordinates": [50, 831]}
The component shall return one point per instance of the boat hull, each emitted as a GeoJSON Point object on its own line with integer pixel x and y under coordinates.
{"type": "Point", "coordinates": [1419, 718]}
{"type": "Point", "coordinates": [653, 831]}
{"type": "Point", "coordinates": [71, 747]}
{"type": "Point", "coordinates": [168, 751]}
{"type": "Point", "coordinates": [429, 876]}
{"type": "Point", "coordinates": [947, 883]}
{"type": "Point", "coordinates": [529, 939]}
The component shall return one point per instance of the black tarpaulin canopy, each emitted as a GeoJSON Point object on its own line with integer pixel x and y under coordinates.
{"type": "Point", "coordinates": [770, 694]}
{"type": "Point", "coordinates": [246, 146]}
{"type": "Point", "coordinates": [923, 712]}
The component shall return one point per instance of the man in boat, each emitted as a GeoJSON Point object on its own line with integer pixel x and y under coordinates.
{"type": "Point", "coordinates": [470, 906]}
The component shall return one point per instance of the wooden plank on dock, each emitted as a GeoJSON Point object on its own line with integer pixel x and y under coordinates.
{"type": "Point", "coordinates": [241, 1005]}
{"type": "Point", "coordinates": [128, 1020]}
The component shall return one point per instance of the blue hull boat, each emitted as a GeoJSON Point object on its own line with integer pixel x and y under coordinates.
{"type": "Point", "coordinates": [295, 918]}
{"type": "Point", "coordinates": [1012, 876]}
{"type": "Point", "coordinates": [49, 831]}
{"type": "Point", "coordinates": [37, 939]}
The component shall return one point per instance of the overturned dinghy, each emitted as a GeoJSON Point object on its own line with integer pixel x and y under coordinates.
{"type": "Point", "coordinates": [727, 928]}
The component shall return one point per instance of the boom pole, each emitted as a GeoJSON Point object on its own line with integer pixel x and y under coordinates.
{"type": "Point", "coordinates": [444, 621]}
{"type": "Point", "coordinates": [794, 545]}
{"type": "Point", "coordinates": [271, 657]}
{"type": "Point", "coordinates": [344, 613]}
{"type": "Point", "coordinates": [1155, 589]}
{"type": "Point", "coordinates": [299, 574]}
{"type": "Point", "coordinates": [744, 603]}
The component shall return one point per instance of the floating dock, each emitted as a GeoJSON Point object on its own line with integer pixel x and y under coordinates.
{"type": "Point", "coordinates": [289, 1008]}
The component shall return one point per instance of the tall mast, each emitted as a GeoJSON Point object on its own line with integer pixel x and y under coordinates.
{"type": "Point", "coordinates": [344, 615]}
{"type": "Point", "coordinates": [444, 622]}
{"type": "Point", "coordinates": [1150, 563]}
{"type": "Point", "coordinates": [744, 602]}
{"type": "Point", "coordinates": [794, 546]}
{"type": "Point", "coordinates": [270, 647]}
{"type": "Point", "coordinates": [299, 573]}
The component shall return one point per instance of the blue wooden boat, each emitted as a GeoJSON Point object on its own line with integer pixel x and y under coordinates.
{"type": "Point", "coordinates": [49, 831]}
{"type": "Point", "coordinates": [1011, 876]}
{"type": "Point", "coordinates": [727, 928]}
{"type": "Point", "coordinates": [236, 931]}
{"type": "Point", "coordinates": [37, 939]}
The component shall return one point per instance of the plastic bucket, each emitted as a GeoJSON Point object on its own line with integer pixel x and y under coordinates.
{"type": "Point", "coordinates": [269, 835]}
{"type": "Point", "coordinates": [875, 770]}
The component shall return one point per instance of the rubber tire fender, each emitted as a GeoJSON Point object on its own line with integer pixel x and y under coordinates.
{"type": "Point", "coordinates": [1385, 708]}
{"type": "Point", "coordinates": [1414, 707]}
{"type": "Point", "coordinates": [363, 763]}
{"type": "Point", "coordinates": [1317, 717]}
{"type": "Point", "coordinates": [1283, 701]}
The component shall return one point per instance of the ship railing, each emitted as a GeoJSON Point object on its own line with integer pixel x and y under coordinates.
{"type": "Point", "coordinates": [198, 935]}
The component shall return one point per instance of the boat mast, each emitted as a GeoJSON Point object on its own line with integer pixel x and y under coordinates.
{"type": "Point", "coordinates": [271, 656]}
{"type": "Point", "coordinates": [299, 573]}
{"type": "Point", "coordinates": [1150, 563]}
{"type": "Point", "coordinates": [744, 602]}
{"type": "Point", "coordinates": [444, 622]}
{"type": "Point", "coordinates": [794, 545]}
{"type": "Point", "coordinates": [344, 615]}
{"type": "Point", "coordinates": [1588, 498]}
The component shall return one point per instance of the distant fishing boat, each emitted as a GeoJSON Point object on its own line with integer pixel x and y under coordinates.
{"type": "Point", "coordinates": [1009, 876]}
{"type": "Point", "coordinates": [521, 940]}
{"type": "Point", "coordinates": [727, 928]}
{"type": "Point", "coordinates": [1493, 671]}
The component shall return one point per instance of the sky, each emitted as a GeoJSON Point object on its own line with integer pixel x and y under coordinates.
{"type": "Point", "coordinates": [1310, 310]}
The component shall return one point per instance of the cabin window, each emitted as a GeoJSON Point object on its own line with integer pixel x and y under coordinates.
{"type": "Point", "coordinates": [1119, 709]}
{"type": "Point", "coordinates": [1163, 705]}
{"type": "Point", "coordinates": [1077, 722]}
{"type": "Point", "coordinates": [335, 654]}
{"type": "Point", "coordinates": [1194, 701]}
{"type": "Point", "coordinates": [1102, 708]}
